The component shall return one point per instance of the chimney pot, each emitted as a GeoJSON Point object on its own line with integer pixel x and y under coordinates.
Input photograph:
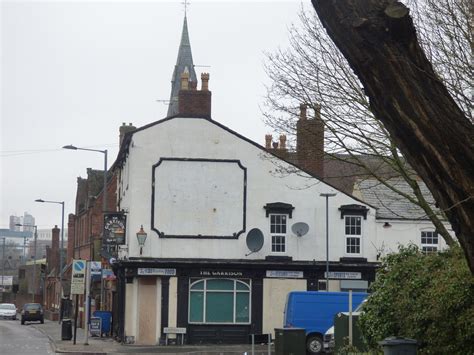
{"type": "Point", "coordinates": [282, 141]}
{"type": "Point", "coordinates": [275, 145]}
{"type": "Point", "coordinates": [303, 109]}
{"type": "Point", "coordinates": [317, 111]}
{"type": "Point", "coordinates": [268, 141]}
{"type": "Point", "coordinates": [205, 81]}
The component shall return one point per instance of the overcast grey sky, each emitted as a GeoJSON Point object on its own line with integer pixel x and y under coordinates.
{"type": "Point", "coordinates": [72, 72]}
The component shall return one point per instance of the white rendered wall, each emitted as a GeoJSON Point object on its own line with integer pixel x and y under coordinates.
{"type": "Point", "coordinates": [200, 139]}
{"type": "Point", "coordinates": [404, 232]}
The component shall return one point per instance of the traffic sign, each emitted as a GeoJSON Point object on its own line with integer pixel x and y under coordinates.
{"type": "Point", "coordinates": [96, 268]}
{"type": "Point", "coordinates": [78, 277]}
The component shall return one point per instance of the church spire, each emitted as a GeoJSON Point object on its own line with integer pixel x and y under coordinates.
{"type": "Point", "coordinates": [184, 61]}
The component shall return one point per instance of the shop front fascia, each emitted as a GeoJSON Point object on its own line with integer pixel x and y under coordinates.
{"type": "Point", "coordinates": [215, 300]}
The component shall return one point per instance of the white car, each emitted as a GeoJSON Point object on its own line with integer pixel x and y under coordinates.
{"type": "Point", "coordinates": [8, 310]}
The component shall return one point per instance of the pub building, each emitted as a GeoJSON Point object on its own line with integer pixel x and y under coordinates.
{"type": "Point", "coordinates": [216, 235]}
{"type": "Point", "coordinates": [218, 229]}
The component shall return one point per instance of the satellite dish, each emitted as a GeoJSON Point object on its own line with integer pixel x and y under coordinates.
{"type": "Point", "coordinates": [254, 240]}
{"type": "Point", "coordinates": [300, 228]}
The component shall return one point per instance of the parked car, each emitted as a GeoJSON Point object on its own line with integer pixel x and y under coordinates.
{"type": "Point", "coordinates": [32, 312]}
{"type": "Point", "coordinates": [314, 311]}
{"type": "Point", "coordinates": [8, 311]}
{"type": "Point", "coordinates": [329, 340]}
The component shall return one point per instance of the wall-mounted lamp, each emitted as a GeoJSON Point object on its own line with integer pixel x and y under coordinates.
{"type": "Point", "coordinates": [141, 237]}
{"type": "Point", "coordinates": [387, 225]}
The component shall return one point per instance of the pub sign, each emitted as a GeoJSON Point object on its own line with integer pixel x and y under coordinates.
{"type": "Point", "coordinates": [114, 228]}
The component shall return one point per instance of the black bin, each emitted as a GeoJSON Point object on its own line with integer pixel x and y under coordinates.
{"type": "Point", "coordinates": [66, 329]}
{"type": "Point", "coordinates": [290, 341]}
{"type": "Point", "coordinates": [399, 346]}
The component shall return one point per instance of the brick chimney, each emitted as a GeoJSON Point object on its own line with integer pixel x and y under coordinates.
{"type": "Point", "coordinates": [310, 141]}
{"type": "Point", "coordinates": [55, 249]}
{"type": "Point", "coordinates": [125, 129]}
{"type": "Point", "coordinates": [192, 102]}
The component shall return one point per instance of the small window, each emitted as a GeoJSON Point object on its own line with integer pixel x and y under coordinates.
{"type": "Point", "coordinates": [353, 232]}
{"type": "Point", "coordinates": [278, 232]}
{"type": "Point", "coordinates": [429, 241]}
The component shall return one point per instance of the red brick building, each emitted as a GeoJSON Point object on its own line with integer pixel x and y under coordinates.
{"type": "Point", "coordinates": [85, 230]}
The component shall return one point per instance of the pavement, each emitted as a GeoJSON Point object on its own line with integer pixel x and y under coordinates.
{"type": "Point", "coordinates": [102, 346]}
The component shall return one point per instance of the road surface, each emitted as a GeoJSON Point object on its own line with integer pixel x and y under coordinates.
{"type": "Point", "coordinates": [16, 339]}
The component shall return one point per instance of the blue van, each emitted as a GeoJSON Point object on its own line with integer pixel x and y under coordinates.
{"type": "Point", "coordinates": [314, 311]}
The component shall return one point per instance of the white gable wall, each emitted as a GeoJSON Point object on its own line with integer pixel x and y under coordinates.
{"type": "Point", "coordinates": [200, 139]}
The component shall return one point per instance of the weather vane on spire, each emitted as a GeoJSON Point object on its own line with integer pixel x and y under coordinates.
{"type": "Point", "coordinates": [186, 4]}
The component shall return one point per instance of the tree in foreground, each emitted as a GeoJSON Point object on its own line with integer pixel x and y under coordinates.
{"type": "Point", "coordinates": [427, 297]}
{"type": "Point", "coordinates": [313, 72]}
{"type": "Point", "coordinates": [431, 130]}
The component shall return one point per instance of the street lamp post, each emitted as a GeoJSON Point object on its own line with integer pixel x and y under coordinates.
{"type": "Point", "coordinates": [61, 259]}
{"type": "Point", "coordinates": [327, 195]}
{"type": "Point", "coordinates": [34, 258]}
{"type": "Point", "coordinates": [104, 199]}
{"type": "Point", "coordinates": [72, 147]}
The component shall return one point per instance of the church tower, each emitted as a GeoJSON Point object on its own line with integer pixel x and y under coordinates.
{"type": "Point", "coordinates": [183, 63]}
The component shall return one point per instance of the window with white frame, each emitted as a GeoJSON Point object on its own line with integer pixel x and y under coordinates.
{"type": "Point", "coordinates": [219, 301]}
{"type": "Point", "coordinates": [429, 241]}
{"type": "Point", "coordinates": [278, 232]}
{"type": "Point", "coordinates": [353, 233]}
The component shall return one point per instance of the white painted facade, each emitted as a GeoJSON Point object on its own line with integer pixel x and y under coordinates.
{"type": "Point", "coordinates": [193, 184]}
{"type": "Point", "coordinates": [198, 188]}
{"type": "Point", "coordinates": [393, 233]}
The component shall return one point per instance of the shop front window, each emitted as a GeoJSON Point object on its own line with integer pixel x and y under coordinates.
{"type": "Point", "coordinates": [219, 301]}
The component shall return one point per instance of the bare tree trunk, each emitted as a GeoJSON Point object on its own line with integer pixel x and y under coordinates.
{"type": "Point", "coordinates": [378, 39]}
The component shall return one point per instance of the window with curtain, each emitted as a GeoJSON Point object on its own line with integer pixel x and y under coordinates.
{"type": "Point", "coordinates": [219, 301]}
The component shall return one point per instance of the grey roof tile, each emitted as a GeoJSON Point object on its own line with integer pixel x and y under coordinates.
{"type": "Point", "coordinates": [391, 205]}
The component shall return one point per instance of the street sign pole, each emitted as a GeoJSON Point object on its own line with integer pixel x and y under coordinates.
{"type": "Point", "coordinates": [77, 287]}
{"type": "Point", "coordinates": [88, 302]}
{"type": "Point", "coordinates": [75, 319]}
